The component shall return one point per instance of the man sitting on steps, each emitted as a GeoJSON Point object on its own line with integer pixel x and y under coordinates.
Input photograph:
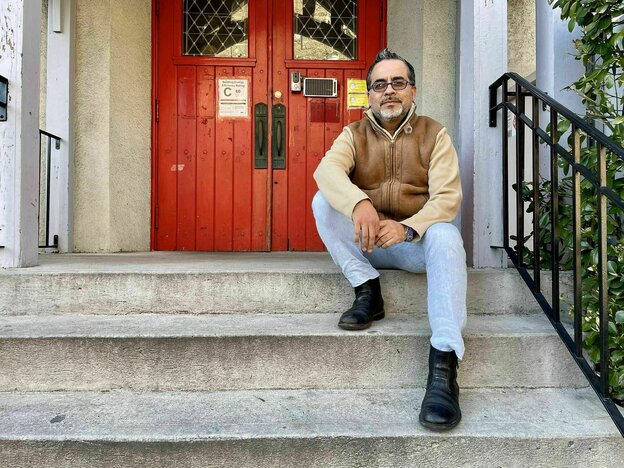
{"type": "Point", "coordinates": [389, 188]}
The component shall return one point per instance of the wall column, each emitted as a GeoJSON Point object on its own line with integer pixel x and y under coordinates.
{"type": "Point", "coordinates": [59, 105]}
{"type": "Point", "coordinates": [556, 65]}
{"type": "Point", "coordinates": [482, 59]}
{"type": "Point", "coordinates": [20, 31]}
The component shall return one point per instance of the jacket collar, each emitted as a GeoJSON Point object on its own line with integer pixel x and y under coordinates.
{"type": "Point", "coordinates": [405, 125]}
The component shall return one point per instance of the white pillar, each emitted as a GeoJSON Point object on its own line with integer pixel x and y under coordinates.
{"type": "Point", "coordinates": [20, 26]}
{"type": "Point", "coordinates": [482, 60]}
{"type": "Point", "coordinates": [59, 103]}
{"type": "Point", "coordinates": [556, 65]}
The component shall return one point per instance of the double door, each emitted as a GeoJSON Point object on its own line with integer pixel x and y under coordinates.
{"type": "Point", "coordinates": [235, 141]}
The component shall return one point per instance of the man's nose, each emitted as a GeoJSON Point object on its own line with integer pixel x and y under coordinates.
{"type": "Point", "coordinates": [389, 89]}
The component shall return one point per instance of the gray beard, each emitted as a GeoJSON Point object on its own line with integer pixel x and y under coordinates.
{"type": "Point", "coordinates": [389, 116]}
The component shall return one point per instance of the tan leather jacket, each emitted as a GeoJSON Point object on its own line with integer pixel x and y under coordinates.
{"type": "Point", "coordinates": [411, 176]}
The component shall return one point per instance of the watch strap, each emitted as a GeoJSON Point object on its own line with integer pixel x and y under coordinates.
{"type": "Point", "coordinates": [409, 234]}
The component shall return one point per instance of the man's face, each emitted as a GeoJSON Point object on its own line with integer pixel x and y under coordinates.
{"type": "Point", "coordinates": [390, 106]}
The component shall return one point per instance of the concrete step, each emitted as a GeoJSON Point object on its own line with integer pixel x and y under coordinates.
{"type": "Point", "coordinates": [201, 282]}
{"type": "Point", "coordinates": [312, 428]}
{"type": "Point", "coordinates": [254, 351]}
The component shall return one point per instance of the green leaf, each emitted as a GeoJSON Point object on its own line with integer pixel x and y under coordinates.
{"type": "Point", "coordinates": [594, 354]}
{"type": "Point", "coordinates": [563, 126]}
{"type": "Point", "coordinates": [617, 355]}
{"type": "Point", "coordinates": [612, 327]}
{"type": "Point", "coordinates": [619, 316]}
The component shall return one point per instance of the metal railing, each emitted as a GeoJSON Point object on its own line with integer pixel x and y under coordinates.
{"type": "Point", "coordinates": [47, 166]}
{"type": "Point", "coordinates": [515, 102]}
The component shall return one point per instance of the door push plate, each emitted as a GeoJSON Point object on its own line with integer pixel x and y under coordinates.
{"type": "Point", "coordinates": [261, 136]}
{"type": "Point", "coordinates": [279, 136]}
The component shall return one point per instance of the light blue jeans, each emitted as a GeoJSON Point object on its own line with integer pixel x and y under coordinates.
{"type": "Point", "coordinates": [440, 253]}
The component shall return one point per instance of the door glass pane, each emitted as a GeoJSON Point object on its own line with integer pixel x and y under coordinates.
{"type": "Point", "coordinates": [325, 29]}
{"type": "Point", "coordinates": [217, 28]}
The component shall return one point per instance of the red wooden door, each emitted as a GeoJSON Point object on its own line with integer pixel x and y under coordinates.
{"type": "Point", "coordinates": [226, 178]}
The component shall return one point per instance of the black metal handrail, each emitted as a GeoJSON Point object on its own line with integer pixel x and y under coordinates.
{"type": "Point", "coordinates": [523, 90]}
{"type": "Point", "coordinates": [57, 145]}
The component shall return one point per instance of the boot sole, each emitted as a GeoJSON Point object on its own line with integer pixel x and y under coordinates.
{"type": "Point", "coordinates": [439, 427]}
{"type": "Point", "coordinates": [362, 326]}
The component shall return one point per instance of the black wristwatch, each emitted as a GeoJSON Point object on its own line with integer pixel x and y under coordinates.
{"type": "Point", "coordinates": [409, 234]}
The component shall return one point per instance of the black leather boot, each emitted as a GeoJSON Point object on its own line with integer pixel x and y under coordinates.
{"type": "Point", "coordinates": [440, 407]}
{"type": "Point", "coordinates": [368, 306]}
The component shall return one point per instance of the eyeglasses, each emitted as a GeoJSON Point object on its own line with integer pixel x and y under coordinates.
{"type": "Point", "coordinates": [397, 85]}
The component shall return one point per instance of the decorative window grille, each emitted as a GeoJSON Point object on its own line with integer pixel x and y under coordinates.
{"type": "Point", "coordinates": [325, 29]}
{"type": "Point", "coordinates": [217, 28]}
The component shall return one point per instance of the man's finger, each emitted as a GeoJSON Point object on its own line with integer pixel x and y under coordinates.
{"type": "Point", "coordinates": [356, 232]}
{"type": "Point", "coordinates": [364, 238]}
{"type": "Point", "coordinates": [371, 238]}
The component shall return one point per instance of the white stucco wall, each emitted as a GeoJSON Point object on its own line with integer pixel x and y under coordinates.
{"type": "Point", "coordinates": [42, 63]}
{"type": "Point", "coordinates": [20, 52]}
{"type": "Point", "coordinates": [424, 32]}
{"type": "Point", "coordinates": [112, 126]}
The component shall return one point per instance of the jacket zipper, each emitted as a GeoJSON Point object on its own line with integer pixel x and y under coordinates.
{"type": "Point", "coordinates": [392, 174]}
{"type": "Point", "coordinates": [392, 139]}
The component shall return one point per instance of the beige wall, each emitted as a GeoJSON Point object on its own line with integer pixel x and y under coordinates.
{"type": "Point", "coordinates": [521, 36]}
{"type": "Point", "coordinates": [112, 112]}
{"type": "Point", "coordinates": [424, 32]}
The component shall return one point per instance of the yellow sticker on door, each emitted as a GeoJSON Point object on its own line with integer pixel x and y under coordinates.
{"type": "Point", "coordinates": [357, 95]}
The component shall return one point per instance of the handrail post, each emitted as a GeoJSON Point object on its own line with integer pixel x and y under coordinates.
{"type": "Point", "coordinates": [603, 299]}
{"type": "Point", "coordinates": [519, 175]}
{"type": "Point", "coordinates": [576, 207]}
{"type": "Point", "coordinates": [536, 197]}
{"type": "Point", "coordinates": [554, 215]}
{"type": "Point", "coordinates": [505, 140]}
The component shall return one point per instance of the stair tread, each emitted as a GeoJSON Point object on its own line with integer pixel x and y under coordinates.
{"type": "Point", "coordinates": [233, 415]}
{"type": "Point", "coordinates": [209, 282]}
{"type": "Point", "coordinates": [196, 262]}
{"type": "Point", "coordinates": [182, 262]}
{"type": "Point", "coordinates": [237, 325]}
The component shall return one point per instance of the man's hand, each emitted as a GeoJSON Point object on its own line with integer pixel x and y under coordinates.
{"type": "Point", "coordinates": [366, 222]}
{"type": "Point", "coordinates": [390, 233]}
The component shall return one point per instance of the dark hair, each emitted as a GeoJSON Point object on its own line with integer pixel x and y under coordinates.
{"type": "Point", "coordinates": [387, 54]}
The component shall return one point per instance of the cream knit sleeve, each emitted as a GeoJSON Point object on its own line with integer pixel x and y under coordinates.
{"type": "Point", "coordinates": [332, 175]}
{"type": "Point", "coordinates": [445, 193]}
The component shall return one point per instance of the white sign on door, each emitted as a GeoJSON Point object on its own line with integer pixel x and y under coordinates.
{"type": "Point", "coordinates": [233, 98]}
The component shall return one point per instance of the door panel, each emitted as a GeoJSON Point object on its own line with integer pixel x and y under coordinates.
{"type": "Point", "coordinates": [186, 161]}
{"type": "Point", "coordinates": [207, 193]}
{"type": "Point", "coordinates": [206, 163]}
